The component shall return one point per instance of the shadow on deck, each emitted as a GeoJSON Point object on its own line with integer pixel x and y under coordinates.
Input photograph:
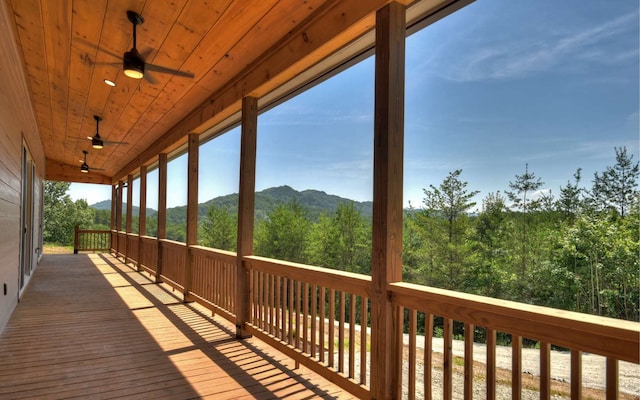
{"type": "Point", "coordinates": [89, 326]}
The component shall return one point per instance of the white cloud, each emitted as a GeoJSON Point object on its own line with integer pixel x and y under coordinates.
{"type": "Point", "coordinates": [507, 58]}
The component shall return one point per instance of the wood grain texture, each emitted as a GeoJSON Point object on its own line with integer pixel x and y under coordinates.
{"type": "Point", "coordinates": [386, 259]}
{"type": "Point", "coordinates": [124, 337]}
{"type": "Point", "coordinates": [590, 333]}
{"type": "Point", "coordinates": [18, 128]}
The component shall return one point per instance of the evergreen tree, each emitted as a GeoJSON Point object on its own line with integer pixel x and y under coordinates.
{"type": "Point", "coordinates": [570, 202]}
{"type": "Point", "coordinates": [522, 189]}
{"type": "Point", "coordinates": [616, 187]}
{"type": "Point", "coordinates": [285, 233]}
{"type": "Point", "coordinates": [218, 229]}
{"type": "Point", "coordinates": [447, 207]}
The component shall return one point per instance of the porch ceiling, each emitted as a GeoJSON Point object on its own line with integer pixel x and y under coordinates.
{"type": "Point", "coordinates": [234, 48]}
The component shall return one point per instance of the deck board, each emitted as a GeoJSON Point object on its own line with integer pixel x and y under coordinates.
{"type": "Point", "coordinates": [89, 326]}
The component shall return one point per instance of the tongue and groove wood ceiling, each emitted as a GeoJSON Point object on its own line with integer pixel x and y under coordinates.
{"type": "Point", "coordinates": [234, 49]}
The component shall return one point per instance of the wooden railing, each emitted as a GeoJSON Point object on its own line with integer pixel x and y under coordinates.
{"type": "Point", "coordinates": [91, 240]}
{"type": "Point", "coordinates": [213, 279]}
{"type": "Point", "coordinates": [614, 339]}
{"type": "Point", "coordinates": [148, 257]}
{"type": "Point", "coordinates": [174, 262]}
{"type": "Point", "coordinates": [314, 316]}
{"type": "Point", "coordinates": [319, 317]}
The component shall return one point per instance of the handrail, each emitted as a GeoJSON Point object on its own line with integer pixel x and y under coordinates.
{"type": "Point", "coordinates": [338, 280]}
{"type": "Point", "coordinates": [594, 334]}
{"type": "Point", "coordinates": [319, 317]}
{"type": "Point", "coordinates": [91, 240]}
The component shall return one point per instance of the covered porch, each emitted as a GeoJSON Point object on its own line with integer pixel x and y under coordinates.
{"type": "Point", "coordinates": [90, 326]}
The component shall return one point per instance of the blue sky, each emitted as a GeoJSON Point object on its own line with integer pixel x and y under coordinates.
{"type": "Point", "coordinates": [495, 86]}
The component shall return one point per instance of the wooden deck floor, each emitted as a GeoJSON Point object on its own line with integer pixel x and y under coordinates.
{"type": "Point", "coordinates": [89, 326]}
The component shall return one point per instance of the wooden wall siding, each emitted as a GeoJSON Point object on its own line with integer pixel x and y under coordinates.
{"type": "Point", "coordinates": [17, 122]}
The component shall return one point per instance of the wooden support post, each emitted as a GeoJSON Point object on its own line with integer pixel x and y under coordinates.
{"type": "Point", "coordinates": [142, 216]}
{"type": "Point", "coordinates": [246, 199]}
{"type": "Point", "coordinates": [129, 216]}
{"type": "Point", "coordinates": [192, 210]}
{"type": "Point", "coordinates": [119, 217]}
{"type": "Point", "coordinates": [114, 196]}
{"type": "Point", "coordinates": [386, 264]}
{"type": "Point", "coordinates": [76, 236]}
{"type": "Point", "coordinates": [162, 210]}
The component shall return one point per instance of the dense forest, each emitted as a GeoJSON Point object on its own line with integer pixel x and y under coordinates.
{"type": "Point", "coordinates": [577, 251]}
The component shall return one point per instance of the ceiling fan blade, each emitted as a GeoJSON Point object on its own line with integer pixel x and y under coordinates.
{"type": "Point", "coordinates": [93, 46]}
{"type": "Point", "coordinates": [165, 70]}
{"type": "Point", "coordinates": [96, 169]}
{"type": "Point", "coordinates": [113, 142]}
{"type": "Point", "coordinates": [145, 54]}
{"type": "Point", "coordinates": [149, 78]}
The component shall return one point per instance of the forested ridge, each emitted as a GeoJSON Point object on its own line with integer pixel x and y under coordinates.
{"type": "Point", "coordinates": [577, 250]}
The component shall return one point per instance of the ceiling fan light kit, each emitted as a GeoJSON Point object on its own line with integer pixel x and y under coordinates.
{"type": "Point", "coordinates": [132, 63]}
{"type": "Point", "coordinates": [96, 141]}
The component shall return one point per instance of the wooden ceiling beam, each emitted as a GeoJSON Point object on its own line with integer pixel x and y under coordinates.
{"type": "Point", "coordinates": [336, 25]}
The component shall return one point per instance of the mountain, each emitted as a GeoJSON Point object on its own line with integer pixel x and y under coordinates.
{"type": "Point", "coordinates": [316, 203]}
{"type": "Point", "coordinates": [135, 210]}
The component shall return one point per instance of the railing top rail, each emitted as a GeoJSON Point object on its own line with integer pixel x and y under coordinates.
{"type": "Point", "coordinates": [173, 242]}
{"type": "Point", "coordinates": [339, 280]}
{"type": "Point", "coordinates": [595, 334]}
{"type": "Point", "coordinates": [93, 231]}
{"type": "Point", "coordinates": [228, 256]}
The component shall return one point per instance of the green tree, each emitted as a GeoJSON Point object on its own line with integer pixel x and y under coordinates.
{"type": "Point", "coordinates": [492, 243]}
{"type": "Point", "coordinates": [447, 222]}
{"type": "Point", "coordinates": [520, 195]}
{"type": "Point", "coordinates": [616, 187]}
{"type": "Point", "coordinates": [284, 234]}
{"type": "Point", "coordinates": [570, 201]}
{"type": "Point", "coordinates": [342, 241]}
{"type": "Point", "coordinates": [218, 229]}
{"type": "Point", "coordinates": [61, 214]}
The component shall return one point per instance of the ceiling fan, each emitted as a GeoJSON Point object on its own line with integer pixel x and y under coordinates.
{"type": "Point", "coordinates": [98, 142]}
{"type": "Point", "coordinates": [85, 167]}
{"type": "Point", "coordinates": [133, 63]}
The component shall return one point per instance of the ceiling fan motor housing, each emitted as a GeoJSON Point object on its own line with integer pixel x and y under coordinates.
{"type": "Point", "coordinates": [133, 64]}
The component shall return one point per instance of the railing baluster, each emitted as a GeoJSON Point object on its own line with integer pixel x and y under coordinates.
{"type": "Point", "coordinates": [285, 310]}
{"type": "Point", "coordinates": [278, 303]}
{"type": "Point", "coordinates": [576, 375]}
{"type": "Point", "coordinates": [298, 311]}
{"type": "Point", "coordinates": [352, 335]}
{"type": "Point", "coordinates": [290, 312]}
{"type": "Point", "coordinates": [447, 369]}
{"type": "Point", "coordinates": [305, 320]}
{"type": "Point", "coordinates": [363, 339]}
{"type": "Point", "coordinates": [341, 313]}
{"type": "Point", "coordinates": [516, 367]}
{"type": "Point", "coordinates": [612, 378]}
{"type": "Point", "coordinates": [545, 371]}
{"type": "Point", "coordinates": [323, 304]}
{"type": "Point", "coordinates": [314, 322]}
{"type": "Point", "coordinates": [468, 361]}
{"type": "Point", "coordinates": [428, 355]}
{"type": "Point", "coordinates": [413, 332]}
{"type": "Point", "coordinates": [332, 317]}
{"type": "Point", "coordinates": [491, 364]}
{"type": "Point", "coordinates": [271, 308]}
